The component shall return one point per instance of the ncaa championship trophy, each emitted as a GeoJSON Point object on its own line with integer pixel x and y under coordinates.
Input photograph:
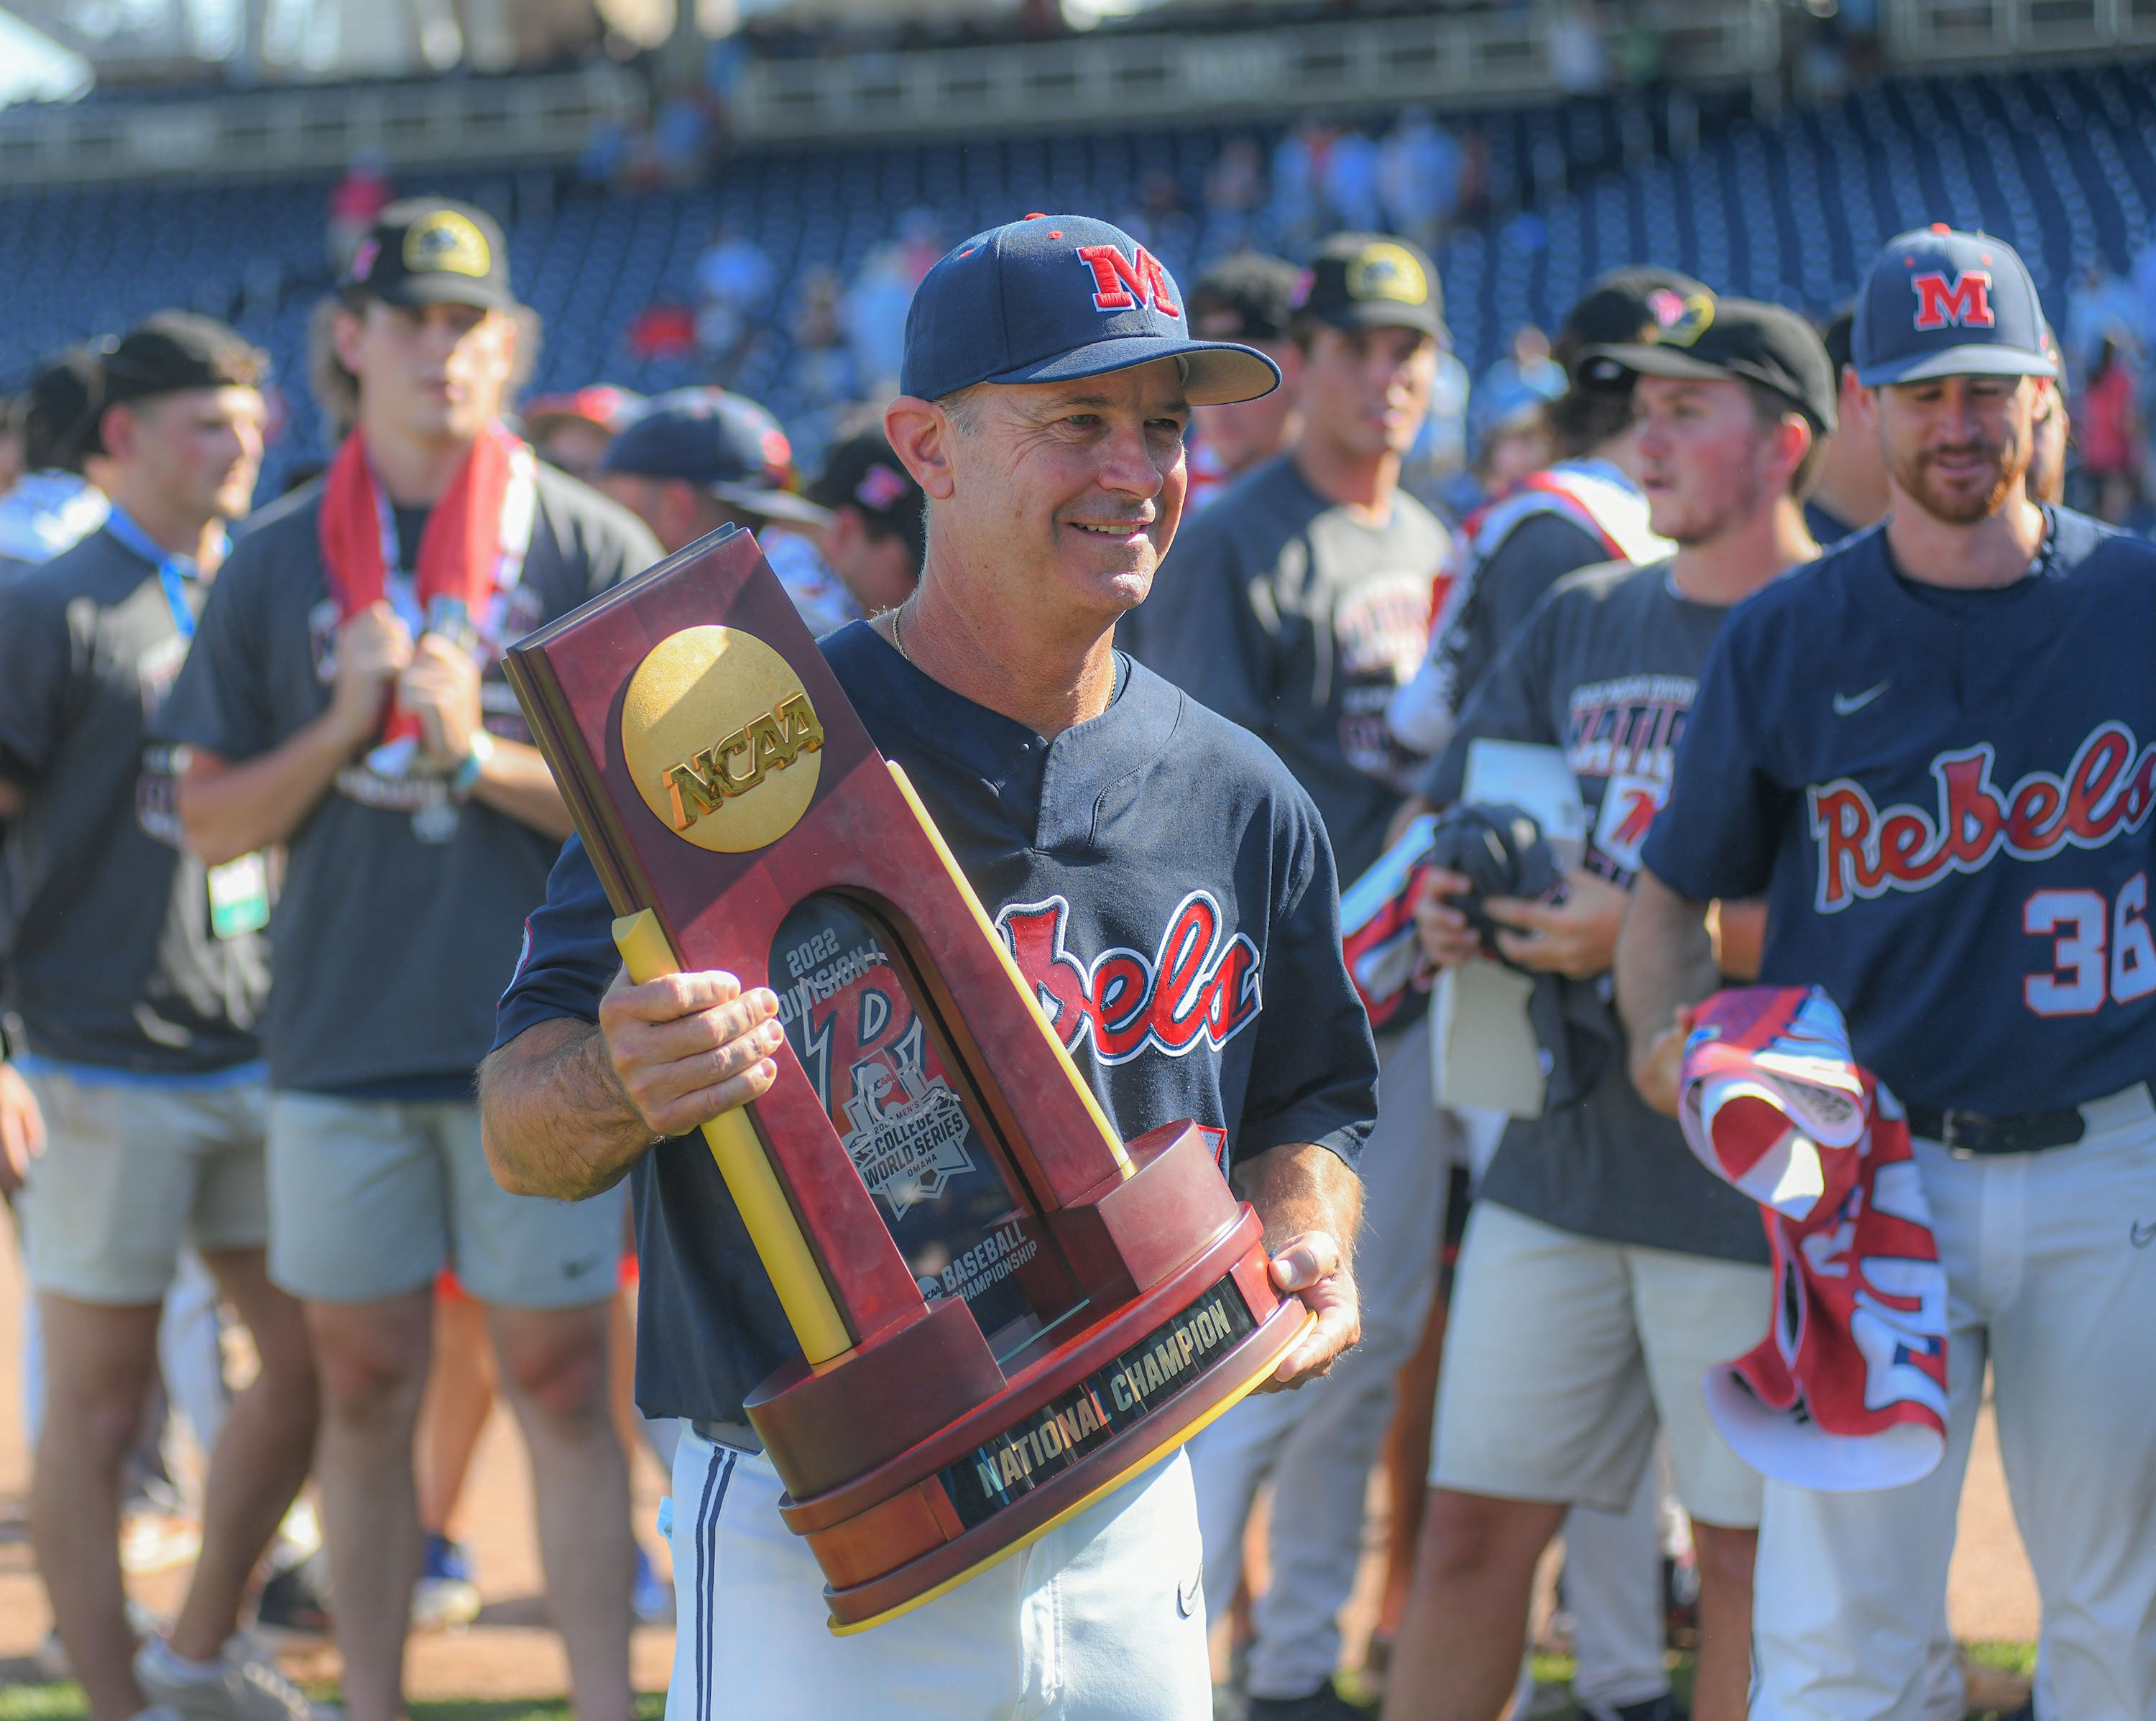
{"type": "Point", "coordinates": [1004, 1311]}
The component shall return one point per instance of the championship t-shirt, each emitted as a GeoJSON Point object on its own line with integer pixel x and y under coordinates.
{"type": "Point", "coordinates": [1606, 668]}
{"type": "Point", "coordinates": [1156, 841]}
{"type": "Point", "coordinates": [118, 958]}
{"type": "Point", "coordinates": [1945, 797]}
{"type": "Point", "coordinates": [403, 904]}
{"type": "Point", "coordinates": [1298, 619]}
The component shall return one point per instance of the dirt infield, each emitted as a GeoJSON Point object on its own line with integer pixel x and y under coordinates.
{"type": "Point", "coordinates": [509, 1653]}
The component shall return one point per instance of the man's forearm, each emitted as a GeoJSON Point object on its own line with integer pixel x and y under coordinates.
{"type": "Point", "coordinates": [1665, 958]}
{"type": "Point", "coordinates": [1298, 1187]}
{"type": "Point", "coordinates": [553, 1117]}
{"type": "Point", "coordinates": [232, 809]}
{"type": "Point", "coordinates": [515, 780]}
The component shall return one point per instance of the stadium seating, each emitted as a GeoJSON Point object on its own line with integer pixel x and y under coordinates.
{"type": "Point", "coordinates": [2062, 163]}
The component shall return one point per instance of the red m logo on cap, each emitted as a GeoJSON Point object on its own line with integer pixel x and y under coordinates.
{"type": "Point", "coordinates": [1966, 303]}
{"type": "Point", "coordinates": [1121, 284]}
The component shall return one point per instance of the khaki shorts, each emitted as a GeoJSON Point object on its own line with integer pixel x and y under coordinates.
{"type": "Point", "coordinates": [1562, 1354]}
{"type": "Point", "coordinates": [371, 1198]}
{"type": "Point", "coordinates": [129, 1172]}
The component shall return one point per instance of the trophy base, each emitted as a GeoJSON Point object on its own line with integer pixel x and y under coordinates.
{"type": "Point", "coordinates": [858, 1607]}
{"type": "Point", "coordinates": [917, 1460]}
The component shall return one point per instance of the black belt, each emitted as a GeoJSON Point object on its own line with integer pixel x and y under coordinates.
{"type": "Point", "coordinates": [1969, 1135]}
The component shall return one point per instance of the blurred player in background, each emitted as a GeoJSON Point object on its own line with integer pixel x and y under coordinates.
{"type": "Point", "coordinates": [700, 458]}
{"type": "Point", "coordinates": [1296, 605]}
{"type": "Point", "coordinates": [345, 698]}
{"type": "Point", "coordinates": [1248, 297]}
{"type": "Point", "coordinates": [138, 974]}
{"type": "Point", "coordinates": [571, 431]}
{"type": "Point", "coordinates": [1583, 510]}
{"type": "Point", "coordinates": [878, 534]}
{"type": "Point", "coordinates": [1850, 491]}
{"type": "Point", "coordinates": [1604, 1269]}
{"type": "Point", "coordinates": [53, 505]}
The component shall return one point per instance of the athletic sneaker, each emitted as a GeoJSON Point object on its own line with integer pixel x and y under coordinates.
{"type": "Point", "coordinates": [242, 1684]}
{"type": "Point", "coordinates": [445, 1599]}
{"type": "Point", "coordinates": [292, 1600]}
{"type": "Point", "coordinates": [650, 1600]}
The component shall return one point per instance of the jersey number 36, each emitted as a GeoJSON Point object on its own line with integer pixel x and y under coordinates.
{"type": "Point", "coordinates": [2099, 950]}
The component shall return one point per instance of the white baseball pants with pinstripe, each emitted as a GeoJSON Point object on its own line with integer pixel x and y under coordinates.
{"type": "Point", "coordinates": [1103, 1619]}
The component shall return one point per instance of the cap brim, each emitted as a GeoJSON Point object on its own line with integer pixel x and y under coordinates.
{"type": "Point", "coordinates": [444, 290]}
{"type": "Point", "coordinates": [1216, 373]}
{"type": "Point", "coordinates": [772, 505]}
{"type": "Point", "coordinates": [1956, 361]}
{"type": "Point", "coordinates": [1644, 358]}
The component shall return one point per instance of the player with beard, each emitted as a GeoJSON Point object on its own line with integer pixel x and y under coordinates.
{"type": "Point", "coordinates": [1931, 753]}
{"type": "Point", "coordinates": [1604, 1270]}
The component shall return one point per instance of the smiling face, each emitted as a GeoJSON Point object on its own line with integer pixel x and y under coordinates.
{"type": "Point", "coordinates": [1060, 497]}
{"type": "Point", "coordinates": [1365, 392]}
{"type": "Point", "coordinates": [1959, 446]}
{"type": "Point", "coordinates": [430, 373]}
{"type": "Point", "coordinates": [1706, 458]}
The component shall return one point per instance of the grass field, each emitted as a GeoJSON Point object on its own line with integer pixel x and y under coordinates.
{"type": "Point", "coordinates": [63, 1702]}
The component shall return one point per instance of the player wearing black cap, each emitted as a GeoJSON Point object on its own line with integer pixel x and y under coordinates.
{"type": "Point", "coordinates": [138, 974]}
{"type": "Point", "coordinates": [1932, 754]}
{"type": "Point", "coordinates": [1583, 511]}
{"type": "Point", "coordinates": [878, 537]}
{"type": "Point", "coordinates": [1296, 605]}
{"type": "Point", "coordinates": [1048, 376]}
{"type": "Point", "coordinates": [344, 698]}
{"type": "Point", "coordinates": [1604, 1270]}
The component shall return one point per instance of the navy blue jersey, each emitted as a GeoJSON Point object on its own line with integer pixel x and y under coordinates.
{"type": "Point", "coordinates": [1103, 856]}
{"type": "Point", "coordinates": [1945, 797]}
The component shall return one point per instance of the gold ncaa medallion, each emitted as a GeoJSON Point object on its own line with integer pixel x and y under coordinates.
{"type": "Point", "coordinates": [721, 737]}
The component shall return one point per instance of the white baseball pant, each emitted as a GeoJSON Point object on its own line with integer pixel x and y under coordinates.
{"type": "Point", "coordinates": [2051, 1276]}
{"type": "Point", "coordinates": [1103, 1619]}
{"type": "Point", "coordinates": [1318, 1444]}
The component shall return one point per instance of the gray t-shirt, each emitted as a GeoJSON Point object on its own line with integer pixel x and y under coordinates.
{"type": "Point", "coordinates": [403, 908]}
{"type": "Point", "coordinates": [1607, 668]}
{"type": "Point", "coordinates": [116, 959]}
{"type": "Point", "coordinates": [1286, 613]}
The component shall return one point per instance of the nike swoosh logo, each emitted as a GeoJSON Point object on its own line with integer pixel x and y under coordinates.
{"type": "Point", "coordinates": [1844, 704]}
{"type": "Point", "coordinates": [1185, 1595]}
{"type": "Point", "coordinates": [2142, 1235]}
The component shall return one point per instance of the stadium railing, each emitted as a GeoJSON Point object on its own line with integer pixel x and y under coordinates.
{"type": "Point", "coordinates": [1496, 57]}
{"type": "Point", "coordinates": [308, 129]}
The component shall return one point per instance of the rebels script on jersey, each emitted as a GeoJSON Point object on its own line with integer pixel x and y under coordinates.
{"type": "Point", "coordinates": [1948, 793]}
{"type": "Point", "coordinates": [1168, 892]}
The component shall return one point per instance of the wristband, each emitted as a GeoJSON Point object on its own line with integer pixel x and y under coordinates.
{"type": "Point", "coordinates": [468, 773]}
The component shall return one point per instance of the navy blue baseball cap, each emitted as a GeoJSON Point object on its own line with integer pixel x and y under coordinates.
{"type": "Point", "coordinates": [1053, 298]}
{"type": "Point", "coordinates": [724, 444]}
{"type": "Point", "coordinates": [1940, 303]}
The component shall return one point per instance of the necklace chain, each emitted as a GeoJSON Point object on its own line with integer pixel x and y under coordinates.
{"type": "Point", "coordinates": [897, 633]}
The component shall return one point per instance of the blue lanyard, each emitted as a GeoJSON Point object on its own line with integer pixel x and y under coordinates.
{"type": "Point", "coordinates": [175, 573]}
